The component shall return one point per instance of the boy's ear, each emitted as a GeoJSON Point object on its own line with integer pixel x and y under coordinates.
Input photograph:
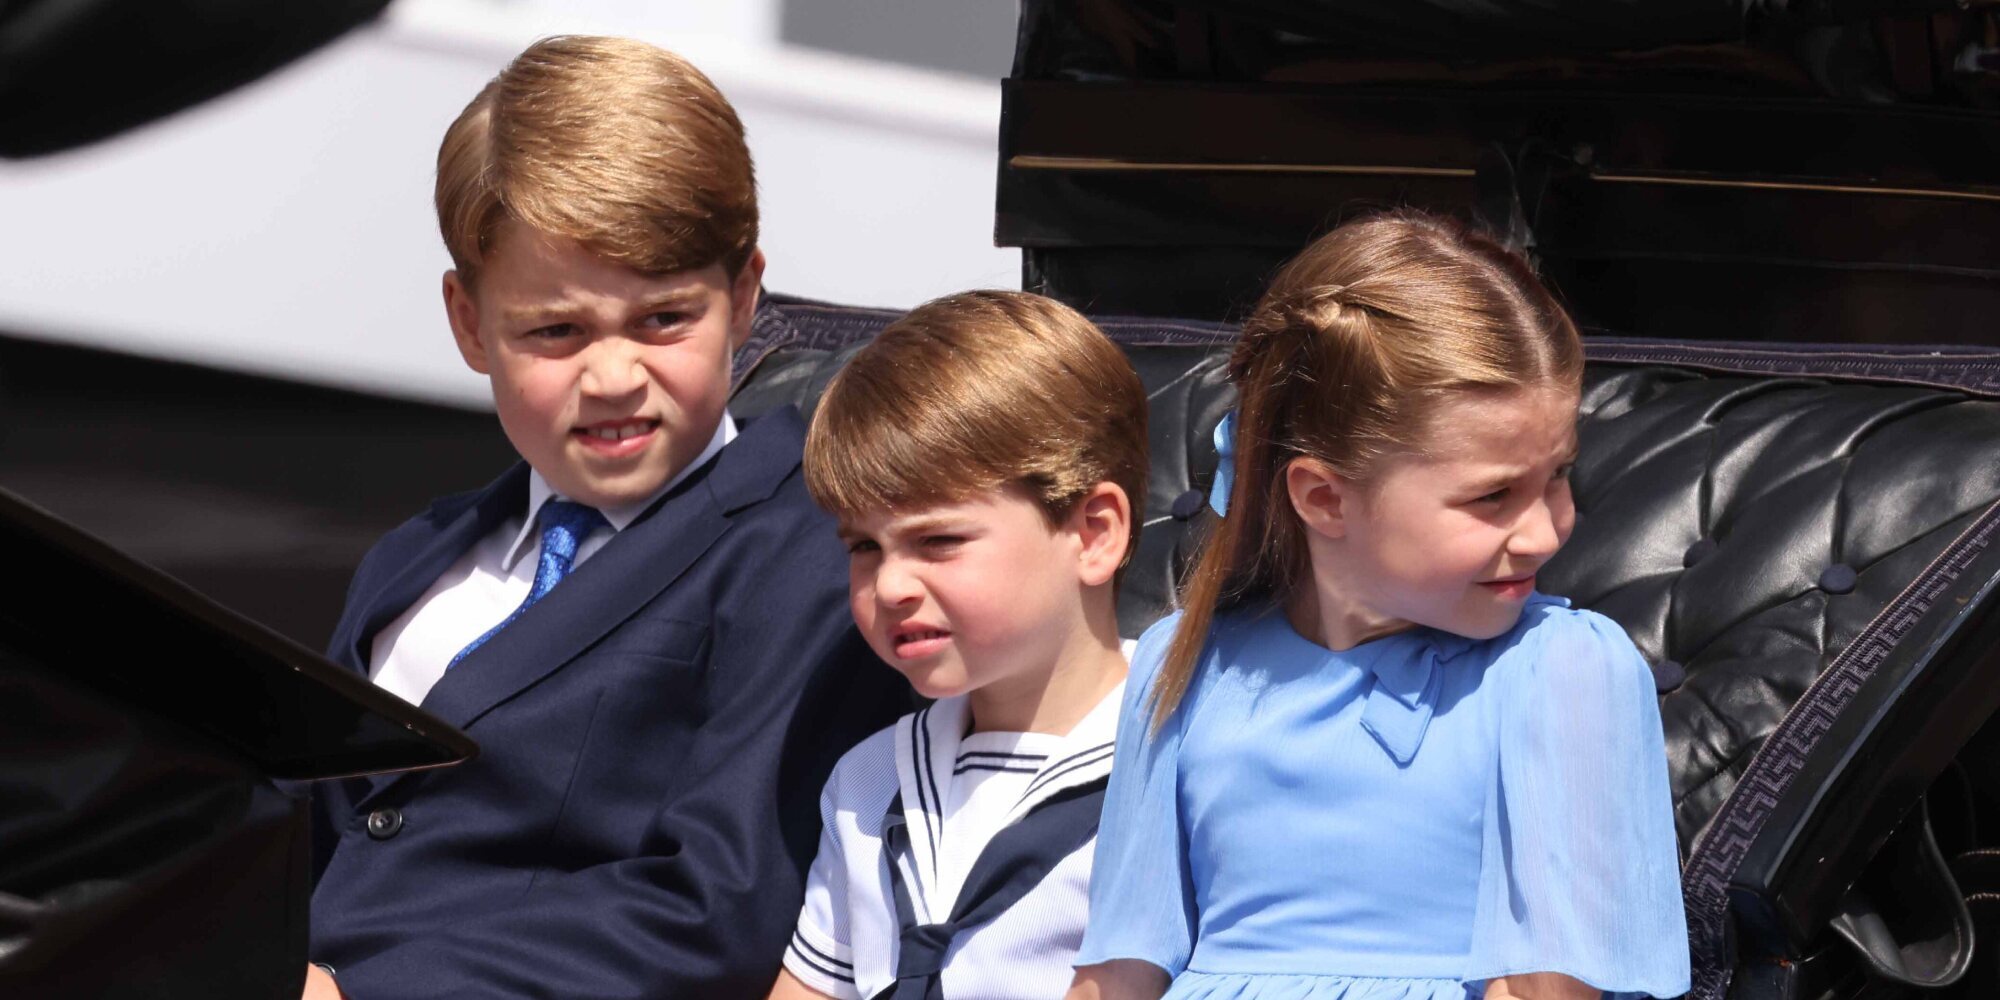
{"type": "Point", "coordinates": [743, 293]}
{"type": "Point", "coordinates": [1103, 522]}
{"type": "Point", "coordinates": [1319, 495]}
{"type": "Point", "coordinates": [463, 313]}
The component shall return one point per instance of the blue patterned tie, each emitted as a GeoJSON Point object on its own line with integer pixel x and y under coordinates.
{"type": "Point", "coordinates": [564, 526]}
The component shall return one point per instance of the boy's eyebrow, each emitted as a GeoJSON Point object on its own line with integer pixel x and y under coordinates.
{"type": "Point", "coordinates": [536, 311]}
{"type": "Point", "coordinates": [916, 526]}
{"type": "Point", "coordinates": [677, 298]}
{"type": "Point", "coordinates": [930, 525]}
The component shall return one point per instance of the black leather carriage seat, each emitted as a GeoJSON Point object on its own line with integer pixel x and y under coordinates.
{"type": "Point", "coordinates": [1800, 539]}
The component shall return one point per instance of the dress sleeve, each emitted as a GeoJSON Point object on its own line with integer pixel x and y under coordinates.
{"type": "Point", "coordinates": [1141, 897]}
{"type": "Point", "coordinates": [1580, 872]}
{"type": "Point", "coordinates": [820, 952]}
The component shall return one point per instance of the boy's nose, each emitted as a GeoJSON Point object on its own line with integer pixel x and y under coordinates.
{"type": "Point", "coordinates": [611, 370]}
{"type": "Point", "coordinates": [895, 586]}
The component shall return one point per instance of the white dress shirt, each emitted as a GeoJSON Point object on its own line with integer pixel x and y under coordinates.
{"type": "Point", "coordinates": [489, 581]}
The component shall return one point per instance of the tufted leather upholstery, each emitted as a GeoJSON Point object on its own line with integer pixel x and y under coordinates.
{"type": "Point", "coordinates": [1793, 537]}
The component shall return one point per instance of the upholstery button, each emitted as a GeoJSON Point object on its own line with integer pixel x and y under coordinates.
{"type": "Point", "coordinates": [1668, 675]}
{"type": "Point", "coordinates": [385, 823]}
{"type": "Point", "coordinates": [1837, 579]}
{"type": "Point", "coordinates": [1188, 504]}
{"type": "Point", "coordinates": [1701, 549]}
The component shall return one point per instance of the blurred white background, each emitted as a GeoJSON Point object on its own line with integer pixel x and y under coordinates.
{"type": "Point", "coordinates": [286, 229]}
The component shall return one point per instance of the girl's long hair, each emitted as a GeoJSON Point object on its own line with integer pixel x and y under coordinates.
{"type": "Point", "coordinates": [1344, 359]}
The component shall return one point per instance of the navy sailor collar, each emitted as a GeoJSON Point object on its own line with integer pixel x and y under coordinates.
{"type": "Point", "coordinates": [927, 745]}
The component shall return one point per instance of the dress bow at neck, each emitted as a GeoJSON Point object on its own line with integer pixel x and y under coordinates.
{"type": "Point", "coordinates": [1403, 697]}
{"type": "Point", "coordinates": [1409, 682]}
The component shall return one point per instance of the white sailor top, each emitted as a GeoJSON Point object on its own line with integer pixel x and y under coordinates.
{"type": "Point", "coordinates": [1000, 916]}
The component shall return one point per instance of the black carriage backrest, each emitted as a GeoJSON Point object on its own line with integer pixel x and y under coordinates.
{"type": "Point", "coordinates": [1793, 537]}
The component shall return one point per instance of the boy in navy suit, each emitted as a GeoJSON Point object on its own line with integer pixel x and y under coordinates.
{"type": "Point", "coordinates": [642, 623]}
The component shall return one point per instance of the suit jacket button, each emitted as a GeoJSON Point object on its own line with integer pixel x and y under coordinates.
{"type": "Point", "coordinates": [384, 823]}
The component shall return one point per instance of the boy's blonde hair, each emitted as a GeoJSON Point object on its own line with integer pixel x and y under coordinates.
{"type": "Point", "coordinates": [975, 392]}
{"type": "Point", "coordinates": [619, 145]}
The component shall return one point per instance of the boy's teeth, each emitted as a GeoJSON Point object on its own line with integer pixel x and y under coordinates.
{"type": "Point", "coordinates": [618, 433]}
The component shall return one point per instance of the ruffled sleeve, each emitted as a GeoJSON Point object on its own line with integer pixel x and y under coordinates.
{"type": "Point", "coordinates": [1141, 897]}
{"type": "Point", "coordinates": [1580, 872]}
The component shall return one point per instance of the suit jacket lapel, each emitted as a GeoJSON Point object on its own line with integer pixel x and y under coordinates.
{"type": "Point", "coordinates": [599, 596]}
{"type": "Point", "coordinates": [630, 571]}
{"type": "Point", "coordinates": [457, 528]}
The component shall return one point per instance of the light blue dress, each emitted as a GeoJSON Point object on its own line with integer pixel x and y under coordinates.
{"type": "Point", "coordinates": [1403, 820]}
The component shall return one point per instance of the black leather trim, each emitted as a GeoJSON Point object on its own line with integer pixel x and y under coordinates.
{"type": "Point", "coordinates": [1740, 824]}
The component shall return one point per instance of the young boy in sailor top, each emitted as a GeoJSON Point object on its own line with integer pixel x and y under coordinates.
{"type": "Point", "coordinates": [985, 456]}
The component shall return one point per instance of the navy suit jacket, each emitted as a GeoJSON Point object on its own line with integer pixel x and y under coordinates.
{"type": "Point", "coordinates": [653, 738]}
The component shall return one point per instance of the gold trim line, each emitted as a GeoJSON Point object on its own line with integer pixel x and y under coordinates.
{"type": "Point", "coordinates": [1794, 186]}
{"type": "Point", "coordinates": [1089, 163]}
{"type": "Point", "coordinates": [1026, 162]}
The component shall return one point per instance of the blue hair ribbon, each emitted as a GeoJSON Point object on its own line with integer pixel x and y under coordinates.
{"type": "Point", "coordinates": [1225, 464]}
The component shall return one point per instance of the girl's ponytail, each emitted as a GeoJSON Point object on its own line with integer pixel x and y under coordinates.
{"type": "Point", "coordinates": [1253, 549]}
{"type": "Point", "coordinates": [1201, 593]}
{"type": "Point", "coordinates": [1342, 359]}
{"type": "Point", "coordinates": [1230, 553]}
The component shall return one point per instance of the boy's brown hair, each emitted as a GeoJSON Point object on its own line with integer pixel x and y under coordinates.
{"type": "Point", "coordinates": [974, 392]}
{"type": "Point", "coordinates": [619, 145]}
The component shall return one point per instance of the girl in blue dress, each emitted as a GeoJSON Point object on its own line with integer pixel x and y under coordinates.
{"type": "Point", "coordinates": [1367, 761]}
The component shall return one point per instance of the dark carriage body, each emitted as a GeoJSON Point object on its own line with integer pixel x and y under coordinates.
{"type": "Point", "coordinates": [1781, 223]}
{"type": "Point", "coordinates": [152, 839]}
{"type": "Point", "coordinates": [1802, 538]}
{"type": "Point", "coordinates": [1825, 173]}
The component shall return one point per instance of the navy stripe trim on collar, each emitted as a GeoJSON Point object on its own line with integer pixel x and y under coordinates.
{"type": "Point", "coordinates": [920, 760]}
{"type": "Point", "coordinates": [980, 765]}
{"type": "Point", "coordinates": [1072, 763]}
{"type": "Point", "coordinates": [1004, 756]}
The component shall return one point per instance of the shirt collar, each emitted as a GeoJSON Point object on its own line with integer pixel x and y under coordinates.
{"type": "Point", "coordinates": [620, 516]}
